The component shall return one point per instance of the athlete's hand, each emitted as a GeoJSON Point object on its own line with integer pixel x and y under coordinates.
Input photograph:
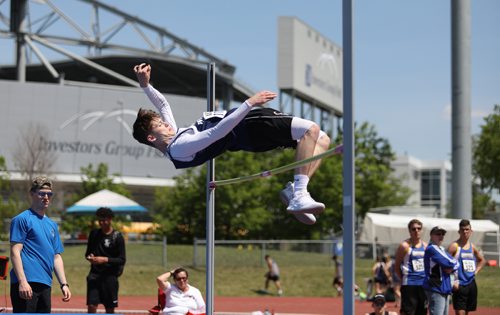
{"type": "Point", "coordinates": [143, 73]}
{"type": "Point", "coordinates": [261, 98]}
{"type": "Point", "coordinates": [25, 291]}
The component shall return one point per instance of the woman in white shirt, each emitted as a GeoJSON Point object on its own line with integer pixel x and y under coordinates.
{"type": "Point", "coordinates": [181, 298]}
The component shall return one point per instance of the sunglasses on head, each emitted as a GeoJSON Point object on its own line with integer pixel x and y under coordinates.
{"type": "Point", "coordinates": [45, 193]}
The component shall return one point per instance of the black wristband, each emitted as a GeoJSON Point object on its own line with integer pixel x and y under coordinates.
{"type": "Point", "coordinates": [64, 285]}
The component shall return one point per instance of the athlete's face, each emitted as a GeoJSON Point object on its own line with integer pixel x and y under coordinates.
{"type": "Point", "coordinates": [416, 231]}
{"type": "Point", "coordinates": [465, 232]}
{"type": "Point", "coordinates": [160, 130]}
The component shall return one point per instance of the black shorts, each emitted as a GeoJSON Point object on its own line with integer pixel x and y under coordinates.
{"type": "Point", "coordinates": [466, 297]}
{"type": "Point", "coordinates": [274, 278]}
{"type": "Point", "coordinates": [413, 300]}
{"type": "Point", "coordinates": [40, 303]}
{"type": "Point", "coordinates": [264, 129]}
{"type": "Point", "coordinates": [102, 289]}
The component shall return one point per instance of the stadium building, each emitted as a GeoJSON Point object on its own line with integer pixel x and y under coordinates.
{"type": "Point", "coordinates": [69, 97]}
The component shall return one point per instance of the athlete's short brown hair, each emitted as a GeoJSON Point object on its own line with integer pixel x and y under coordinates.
{"type": "Point", "coordinates": [142, 125]}
{"type": "Point", "coordinates": [414, 221]}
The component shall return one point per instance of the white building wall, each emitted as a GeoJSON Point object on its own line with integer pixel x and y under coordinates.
{"type": "Point", "coordinates": [410, 169]}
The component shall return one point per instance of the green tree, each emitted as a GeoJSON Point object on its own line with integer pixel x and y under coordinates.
{"type": "Point", "coordinates": [10, 203]}
{"type": "Point", "coordinates": [99, 179]}
{"type": "Point", "coordinates": [252, 210]}
{"type": "Point", "coordinates": [481, 202]}
{"type": "Point", "coordinates": [486, 164]}
{"type": "Point", "coordinates": [487, 152]}
{"type": "Point", "coordinates": [241, 211]}
{"type": "Point", "coordinates": [93, 180]}
{"type": "Point", "coordinates": [375, 183]}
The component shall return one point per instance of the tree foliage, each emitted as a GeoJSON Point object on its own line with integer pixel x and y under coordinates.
{"type": "Point", "coordinates": [487, 151]}
{"type": "Point", "coordinates": [93, 180]}
{"type": "Point", "coordinates": [252, 210]}
{"type": "Point", "coordinates": [10, 203]}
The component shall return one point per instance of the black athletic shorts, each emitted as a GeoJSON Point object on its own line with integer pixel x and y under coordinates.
{"type": "Point", "coordinates": [264, 129]}
{"type": "Point", "coordinates": [466, 297]}
{"type": "Point", "coordinates": [413, 300]}
{"type": "Point", "coordinates": [102, 289]}
{"type": "Point", "coordinates": [40, 303]}
{"type": "Point", "coordinates": [272, 277]}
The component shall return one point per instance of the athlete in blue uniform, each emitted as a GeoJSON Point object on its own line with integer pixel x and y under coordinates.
{"type": "Point", "coordinates": [470, 263]}
{"type": "Point", "coordinates": [35, 250]}
{"type": "Point", "coordinates": [248, 127]}
{"type": "Point", "coordinates": [409, 266]}
{"type": "Point", "coordinates": [439, 266]}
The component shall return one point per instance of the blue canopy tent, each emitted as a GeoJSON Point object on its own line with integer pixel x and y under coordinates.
{"type": "Point", "coordinates": [105, 198]}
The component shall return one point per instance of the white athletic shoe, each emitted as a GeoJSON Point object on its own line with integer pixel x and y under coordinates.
{"type": "Point", "coordinates": [302, 202]}
{"type": "Point", "coordinates": [286, 195]}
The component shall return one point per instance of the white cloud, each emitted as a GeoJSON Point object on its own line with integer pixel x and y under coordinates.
{"type": "Point", "coordinates": [446, 113]}
{"type": "Point", "coordinates": [475, 112]}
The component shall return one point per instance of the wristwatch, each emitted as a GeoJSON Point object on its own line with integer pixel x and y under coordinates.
{"type": "Point", "coordinates": [64, 285]}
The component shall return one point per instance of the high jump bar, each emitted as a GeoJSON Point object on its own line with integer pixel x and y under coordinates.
{"type": "Point", "coordinates": [333, 151]}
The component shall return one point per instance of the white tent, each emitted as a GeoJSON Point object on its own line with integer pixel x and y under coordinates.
{"type": "Point", "coordinates": [392, 229]}
{"type": "Point", "coordinates": [105, 198]}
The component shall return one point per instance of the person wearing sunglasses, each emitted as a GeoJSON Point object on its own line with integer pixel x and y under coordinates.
{"type": "Point", "coordinates": [378, 304]}
{"type": "Point", "coordinates": [35, 250]}
{"type": "Point", "coordinates": [181, 298]}
{"type": "Point", "coordinates": [249, 127]}
{"type": "Point", "coordinates": [409, 266]}
{"type": "Point", "coordinates": [439, 267]}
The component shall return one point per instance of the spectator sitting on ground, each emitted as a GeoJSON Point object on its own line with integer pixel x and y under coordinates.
{"type": "Point", "coordinates": [378, 305]}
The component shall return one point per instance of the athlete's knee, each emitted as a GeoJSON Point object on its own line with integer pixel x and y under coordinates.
{"type": "Point", "coordinates": [323, 140]}
{"type": "Point", "coordinates": [313, 132]}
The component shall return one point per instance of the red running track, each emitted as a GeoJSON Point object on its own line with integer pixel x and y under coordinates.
{"type": "Point", "coordinates": [280, 305]}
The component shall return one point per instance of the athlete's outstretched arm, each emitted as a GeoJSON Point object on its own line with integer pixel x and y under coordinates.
{"type": "Point", "coordinates": [143, 73]}
{"type": "Point", "coordinates": [188, 144]}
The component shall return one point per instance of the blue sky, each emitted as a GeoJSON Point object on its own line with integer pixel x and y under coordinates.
{"type": "Point", "coordinates": [402, 56]}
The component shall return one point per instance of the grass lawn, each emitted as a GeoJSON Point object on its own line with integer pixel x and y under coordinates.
{"type": "Point", "coordinates": [240, 272]}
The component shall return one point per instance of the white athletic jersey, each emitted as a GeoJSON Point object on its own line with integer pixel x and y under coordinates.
{"type": "Point", "coordinates": [188, 141]}
{"type": "Point", "coordinates": [275, 270]}
{"type": "Point", "coordinates": [162, 105]}
{"type": "Point", "coordinates": [178, 302]}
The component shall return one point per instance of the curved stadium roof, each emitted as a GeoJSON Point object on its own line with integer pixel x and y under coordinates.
{"type": "Point", "coordinates": [179, 67]}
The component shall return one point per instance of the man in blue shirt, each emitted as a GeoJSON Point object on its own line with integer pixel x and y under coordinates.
{"type": "Point", "coordinates": [35, 250]}
{"type": "Point", "coordinates": [439, 265]}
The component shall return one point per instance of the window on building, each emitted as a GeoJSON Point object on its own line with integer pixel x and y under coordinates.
{"type": "Point", "coordinates": [431, 188]}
